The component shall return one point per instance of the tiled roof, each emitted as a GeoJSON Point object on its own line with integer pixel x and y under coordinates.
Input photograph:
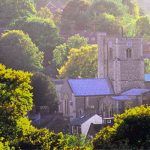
{"type": "Point", "coordinates": [147, 77]}
{"type": "Point", "coordinates": [135, 92]}
{"type": "Point", "coordinates": [90, 87]}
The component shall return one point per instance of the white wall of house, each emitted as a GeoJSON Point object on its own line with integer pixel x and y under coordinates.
{"type": "Point", "coordinates": [96, 119]}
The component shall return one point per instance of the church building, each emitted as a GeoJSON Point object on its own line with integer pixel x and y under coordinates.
{"type": "Point", "coordinates": [121, 82]}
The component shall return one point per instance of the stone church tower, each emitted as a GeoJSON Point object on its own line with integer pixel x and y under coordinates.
{"type": "Point", "coordinates": [121, 60]}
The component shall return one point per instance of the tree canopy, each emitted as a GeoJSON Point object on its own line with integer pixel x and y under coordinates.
{"type": "Point", "coordinates": [14, 9]}
{"type": "Point", "coordinates": [16, 100]}
{"type": "Point", "coordinates": [21, 52]}
{"type": "Point", "coordinates": [60, 53]}
{"type": "Point", "coordinates": [73, 16]}
{"type": "Point", "coordinates": [44, 34]}
{"type": "Point", "coordinates": [81, 62]}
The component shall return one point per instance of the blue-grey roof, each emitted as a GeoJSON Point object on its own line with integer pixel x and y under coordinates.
{"type": "Point", "coordinates": [90, 87]}
{"type": "Point", "coordinates": [123, 97]}
{"type": "Point", "coordinates": [80, 120]}
{"type": "Point", "coordinates": [147, 77]}
{"type": "Point", "coordinates": [135, 92]}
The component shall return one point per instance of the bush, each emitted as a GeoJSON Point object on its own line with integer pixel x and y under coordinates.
{"type": "Point", "coordinates": [41, 139]}
{"type": "Point", "coordinates": [130, 130]}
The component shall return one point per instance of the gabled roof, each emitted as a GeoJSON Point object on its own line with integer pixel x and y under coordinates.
{"type": "Point", "coordinates": [90, 87]}
{"type": "Point", "coordinates": [135, 92]}
{"type": "Point", "coordinates": [147, 77]}
{"type": "Point", "coordinates": [80, 120]}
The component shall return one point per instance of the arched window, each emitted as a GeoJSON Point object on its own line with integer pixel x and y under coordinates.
{"type": "Point", "coordinates": [128, 53]}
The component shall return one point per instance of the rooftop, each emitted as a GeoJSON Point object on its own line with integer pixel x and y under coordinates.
{"type": "Point", "coordinates": [135, 92]}
{"type": "Point", "coordinates": [91, 87]}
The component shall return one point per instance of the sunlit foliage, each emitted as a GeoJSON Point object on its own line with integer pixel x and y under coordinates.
{"type": "Point", "coordinates": [81, 62]}
{"type": "Point", "coordinates": [131, 130]}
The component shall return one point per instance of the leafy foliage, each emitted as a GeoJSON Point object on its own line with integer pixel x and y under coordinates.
{"type": "Point", "coordinates": [45, 13]}
{"type": "Point", "coordinates": [81, 63]}
{"type": "Point", "coordinates": [15, 101]}
{"type": "Point", "coordinates": [60, 53]}
{"type": "Point", "coordinates": [74, 16]}
{"type": "Point", "coordinates": [130, 130]}
{"type": "Point", "coordinates": [147, 65]}
{"type": "Point", "coordinates": [11, 10]}
{"type": "Point", "coordinates": [44, 34]}
{"type": "Point", "coordinates": [20, 53]}
{"type": "Point", "coordinates": [77, 142]}
{"type": "Point", "coordinates": [44, 93]}
{"type": "Point", "coordinates": [41, 139]}
{"type": "Point", "coordinates": [143, 26]}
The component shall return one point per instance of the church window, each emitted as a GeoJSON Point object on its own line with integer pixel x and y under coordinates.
{"type": "Point", "coordinates": [128, 53]}
{"type": "Point", "coordinates": [111, 53]}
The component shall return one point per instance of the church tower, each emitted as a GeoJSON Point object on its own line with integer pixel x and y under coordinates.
{"type": "Point", "coordinates": [121, 60]}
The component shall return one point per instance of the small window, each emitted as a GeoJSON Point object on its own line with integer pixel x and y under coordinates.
{"type": "Point", "coordinates": [111, 53]}
{"type": "Point", "coordinates": [128, 53]}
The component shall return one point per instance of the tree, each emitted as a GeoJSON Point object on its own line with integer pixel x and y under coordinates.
{"type": "Point", "coordinates": [76, 41]}
{"type": "Point", "coordinates": [15, 102]}
{"type": "Point", "coordinates": [60, 53]}
{"type": "Point", "coordinates": [143, 26]}
{"type": "Point", "coordinates": [81, 63]}
{"type": "Point", "coordinates": [14, 9]}
{"type": "Point", "coordinates": [131, 130]}
{"type": "Point", "coordinates": [16, 130]}
{"type": "Point", "coordinates": [45, 13]}
{"type": "Point", "coordinates": [107, 23]}
{"type": "Point", "coordinates": [44, 93]}
{"type": "Point", "coordinates": [44, 34]}
{"type": "Point", "coordinates": [74, 16]}
{"type": "Point", "coordinates": [18, 52]}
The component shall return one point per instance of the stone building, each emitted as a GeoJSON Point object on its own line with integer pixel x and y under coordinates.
{"type": "Point", "coordinates": [121, 82]}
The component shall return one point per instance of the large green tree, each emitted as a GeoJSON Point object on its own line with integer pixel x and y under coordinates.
{"type": "Point", "coordinates": [44, 93]}
{"type": "Point", "coordinates": [16, 100]}
{"type": "Point", "coordinates": [14, 9]}
{"type": "Point", "coordinates": [74, 16]}
{"type": "Point", "coordinates": [60, 53]}
{"type": "Point", "coordinates": [18, 51]}
{"type": "Point", "coordinates": [81, 62]}
{"type": "Point", "coordinates": [44, 34]}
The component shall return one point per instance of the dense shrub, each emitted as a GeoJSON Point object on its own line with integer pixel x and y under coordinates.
{"type": "Point", "coordinates": [130, 130]}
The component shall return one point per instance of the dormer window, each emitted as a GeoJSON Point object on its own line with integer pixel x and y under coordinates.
{"type": "Point", "coordinates": [128, 53]}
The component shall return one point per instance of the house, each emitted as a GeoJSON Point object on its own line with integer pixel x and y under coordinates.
{"type": "Point", "coordinates": [81, 125]}
{"type": "Point", "coordinates": [87, 96]}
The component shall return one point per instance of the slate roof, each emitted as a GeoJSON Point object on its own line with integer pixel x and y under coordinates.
{"type": "Point", "coordinates": [123, 97]}
{"type": "Point", "coordinates": [147, 77]}
{"type": "Point", "coordinates": [90, 87]}
{"type": "Point", "coordinates": [135, 92]}
{"type": "Point", "coordinates": [79, 121]}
